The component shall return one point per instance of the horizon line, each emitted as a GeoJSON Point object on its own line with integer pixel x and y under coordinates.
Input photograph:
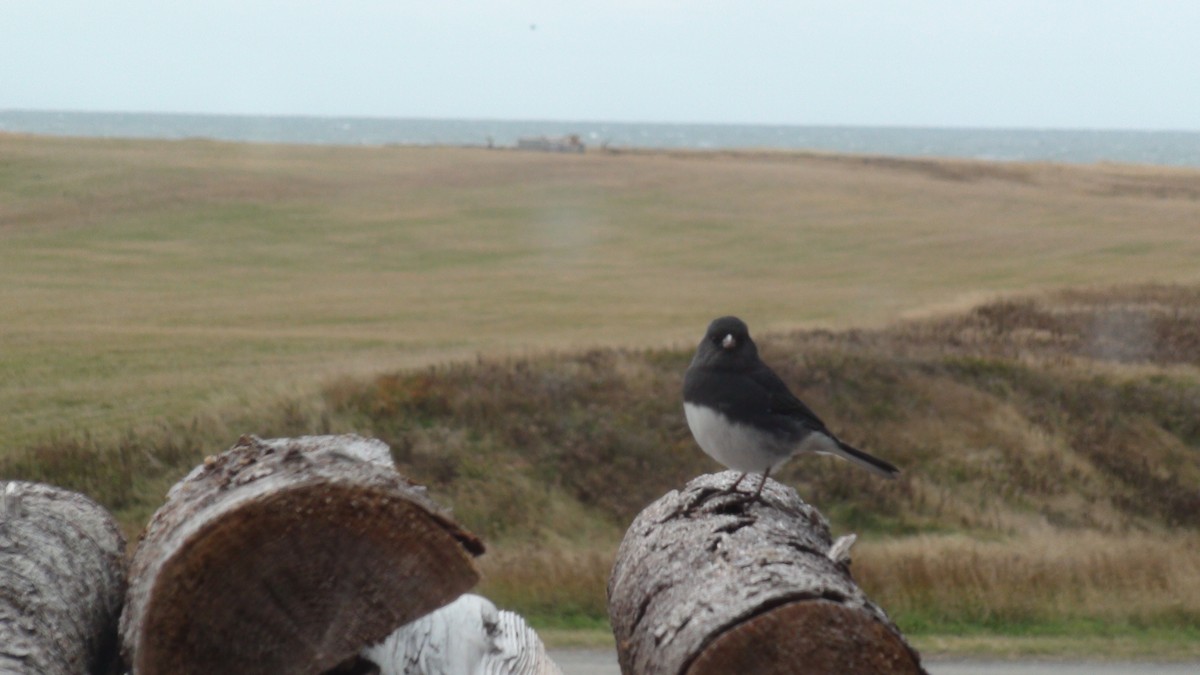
{"type": "Point", "coordinates": [624, 122]}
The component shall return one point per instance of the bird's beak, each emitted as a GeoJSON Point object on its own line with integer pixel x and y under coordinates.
{"type": "Point", "coordinates": [729, 342]}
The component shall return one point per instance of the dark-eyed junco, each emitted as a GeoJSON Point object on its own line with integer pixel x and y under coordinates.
{"type": "Point", "coordinates": [743, 415]}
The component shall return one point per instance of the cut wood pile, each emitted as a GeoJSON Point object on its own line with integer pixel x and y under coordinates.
{"type": "Point", "coordinates": [313, 555]}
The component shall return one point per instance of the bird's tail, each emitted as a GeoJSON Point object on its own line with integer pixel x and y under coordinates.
{"type": "Point", "coordinates": [870, 462]}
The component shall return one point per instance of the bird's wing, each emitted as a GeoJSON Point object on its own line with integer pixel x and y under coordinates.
{"type": "Point", "coordinates": [781, 401]}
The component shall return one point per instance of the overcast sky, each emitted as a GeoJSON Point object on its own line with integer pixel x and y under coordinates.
{"type": "Point", "coordinates": [1123, 64]}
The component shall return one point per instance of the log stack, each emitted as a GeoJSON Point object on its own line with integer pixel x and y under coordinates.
{"type": "Point", "coordinates": [709, 583]}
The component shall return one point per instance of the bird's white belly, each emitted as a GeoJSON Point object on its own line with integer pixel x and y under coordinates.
{"type": "Point", "coordinates": [737, 446]}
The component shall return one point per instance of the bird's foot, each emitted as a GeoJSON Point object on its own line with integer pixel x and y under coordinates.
{"type": "Point", "coordinates": [745, 499]}
{"type": "Point", "coordinates": [734, 502]}
{"type": "Point", "coordinates": [727, 500]}
{"type": "Point", "coordinates": [733, 487]}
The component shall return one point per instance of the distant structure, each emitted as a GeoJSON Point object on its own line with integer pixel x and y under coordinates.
{"type": "Point", "coordinates": [569, 143]}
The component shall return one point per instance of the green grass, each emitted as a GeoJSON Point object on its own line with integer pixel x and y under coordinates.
{"type": "Point", "coordinates": [1075, 642]}
{"type": "Point", "coordinates": [1079, 640]}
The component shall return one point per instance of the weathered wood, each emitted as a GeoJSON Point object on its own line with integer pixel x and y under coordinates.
{"type": "Point", "coordinates": [467, 637]}
{"type": "Point", "coordinates": [62, 580]}
{"type": "Point", "coordinates": [708, 583]}
{"type": "Point", "coordinates": [288, 556]}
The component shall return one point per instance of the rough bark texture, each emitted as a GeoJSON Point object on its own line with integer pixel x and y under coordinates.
{"type": "Point", "coordinates": [467, 637]}
{"type": "Point", "coordinates": [288, 556]}
{"type": "Point", "coordinates": [62, 579]}
{"type": "Point", "coordinates": [708, 583]}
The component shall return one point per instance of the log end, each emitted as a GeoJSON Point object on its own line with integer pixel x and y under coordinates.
{"type": "Point", "coordinates": [810, 636]}
{"type": "Point", "coordinates": [291, 563]}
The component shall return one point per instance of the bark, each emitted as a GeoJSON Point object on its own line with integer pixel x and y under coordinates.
{"type": "Point", "coordinates": [288, 556]}
{"type": "Point", "coordinates": [467, 637]}
{"type": "Point", "coordinates": [707, 583]}
{"type": "Point", "coordinates": [62, 579]}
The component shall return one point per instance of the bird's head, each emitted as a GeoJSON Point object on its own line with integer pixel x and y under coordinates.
{"type": "Point", "coordinates": [726, 342]}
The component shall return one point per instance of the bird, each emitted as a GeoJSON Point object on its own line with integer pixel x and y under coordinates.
{"type": "Point", "coordinates": [744, 416]}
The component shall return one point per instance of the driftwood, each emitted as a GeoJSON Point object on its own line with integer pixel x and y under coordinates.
{"type": "Point", "coordinates": [62, 579]}
{"type": "Point", "coordinates": [288, 556]}
{"type": "Point", "coordinates": [467, 637]}
{"type": "Point", "coordinates": [708, 583]}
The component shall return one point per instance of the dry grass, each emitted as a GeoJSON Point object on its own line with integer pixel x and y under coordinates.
{"type": "Point", "coordinates": [1044, 577]}
{"type": "Point", "coordinates": [1050, 460]}
{"type": "Point", "coordinates": [553, 585]}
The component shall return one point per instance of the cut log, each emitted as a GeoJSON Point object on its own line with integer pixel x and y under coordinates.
{"type": "Point", "coordinates": [467, 637]}
{"type": "Point", "coordinates": [288, 556]}
{"type": "Point", "coordinates": [708, 583]}
{"type": "Point", "coordinates": [62, 580]}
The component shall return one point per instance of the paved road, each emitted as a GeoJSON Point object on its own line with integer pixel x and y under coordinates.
{"type": "Point", "coordinates": [586, 661]}
{"type": "Point", "coordinates": [1058, 668]}
{"type": "Point", "coordinates": [604, 662]}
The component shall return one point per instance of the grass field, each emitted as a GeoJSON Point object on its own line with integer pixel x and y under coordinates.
{"type": "Point", "coordinates": [515, 326]}
{"type": "Point", "coordinates": [150, 281]}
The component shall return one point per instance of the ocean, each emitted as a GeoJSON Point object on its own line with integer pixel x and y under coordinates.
{"type": "Point", "coordinates": [1169, 148]}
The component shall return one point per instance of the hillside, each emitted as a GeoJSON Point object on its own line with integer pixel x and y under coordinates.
{"type": "Point", "coordinates": [1050, 448]}
{"type": "Point", "coordinates": [147, 282]}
